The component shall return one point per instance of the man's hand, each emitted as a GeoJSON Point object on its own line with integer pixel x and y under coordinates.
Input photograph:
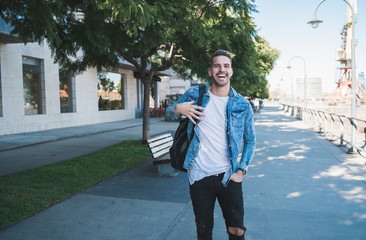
{"type": "Point", "coordinates": [189, 110]}
{"type": "Point", "coordinates": [237, 176]}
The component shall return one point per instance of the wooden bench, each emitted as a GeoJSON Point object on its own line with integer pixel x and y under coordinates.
{"type": "Point", "coordinates": [159, 147]}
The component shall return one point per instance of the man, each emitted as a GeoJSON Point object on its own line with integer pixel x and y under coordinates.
{"type": "Point", "coordinates": [224, 132]}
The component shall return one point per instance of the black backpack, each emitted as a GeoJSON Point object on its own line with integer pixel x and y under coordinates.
{"type": "Point", "coordinates": [178, 150]}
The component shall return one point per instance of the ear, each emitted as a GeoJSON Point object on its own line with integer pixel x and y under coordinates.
{"type": "Point", "coordinates": [210, 72]}
{"type": "Point", "coordinates": [231, 72]}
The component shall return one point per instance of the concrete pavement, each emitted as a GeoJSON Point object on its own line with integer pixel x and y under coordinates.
{"type": "Point", "coordinates": [299, 186]}
{"type": "Point", "coordinates": [24, 151]}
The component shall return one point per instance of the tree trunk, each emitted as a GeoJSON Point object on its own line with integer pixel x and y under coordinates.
{"type": "Point", "coordinates": [146, 111]}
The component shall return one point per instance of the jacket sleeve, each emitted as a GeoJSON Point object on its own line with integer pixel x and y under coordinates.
{"type": "Point", "coordinates": [186, 97]}
{"type": "Point", "coordinates": [249, 141]}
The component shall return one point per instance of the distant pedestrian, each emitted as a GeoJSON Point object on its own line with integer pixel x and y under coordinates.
{"type": "Point", "coordinates": [215, 167]}
{"type": "Point", "coordinates": [362, 129]}
{"type": "Point", "coordinates": [252, 104]}
{"type": "Point", "coordinates": [260, 103]}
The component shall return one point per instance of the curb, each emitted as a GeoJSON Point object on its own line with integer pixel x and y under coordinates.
{"type": "Point", "coordinates": [68, 137]}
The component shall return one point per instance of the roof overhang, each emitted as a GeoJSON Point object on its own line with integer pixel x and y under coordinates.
{"type": "Point", "coordinates": [6, 38]}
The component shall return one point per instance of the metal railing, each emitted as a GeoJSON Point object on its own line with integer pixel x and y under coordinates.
{"type": "Point", "coordinates": [334, 127]}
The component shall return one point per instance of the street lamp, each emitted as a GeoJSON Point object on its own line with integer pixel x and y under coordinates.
{"type": "Point", "coordinates": [305, 82]}
{"type": "Point", "coordinates": [314, 23]}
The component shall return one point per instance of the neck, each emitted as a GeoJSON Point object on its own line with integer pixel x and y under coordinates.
{"type": "Point", "coordinates": [220, 91]}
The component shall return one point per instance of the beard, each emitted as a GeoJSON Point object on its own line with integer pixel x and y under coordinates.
{"type": "Point", "coordinates": [220, 81]}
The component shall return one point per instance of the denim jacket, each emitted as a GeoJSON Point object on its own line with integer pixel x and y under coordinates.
{"type": "Point", "coordinates": [239, 128]}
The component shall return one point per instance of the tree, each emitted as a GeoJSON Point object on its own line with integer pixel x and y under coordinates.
{"type": "Point", "coordinates": [265, 58]}
{"type": "Point", "coordinates": [152, 35]}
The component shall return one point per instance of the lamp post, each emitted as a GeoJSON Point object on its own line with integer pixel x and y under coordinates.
{"type": "Point", "coordinates": [314, 23]}
{"type": "Point", "coordinates": [292, 85]}
{"type": "Point", "coordinates": [305, 80]}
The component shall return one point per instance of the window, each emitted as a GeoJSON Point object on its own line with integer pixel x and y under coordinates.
{"type": "Point", "coordinates": [111, 92]}
{"type": "Point", "coordinates": [66, 91]}
{"type": "Point", "coordinates": [33, 86]}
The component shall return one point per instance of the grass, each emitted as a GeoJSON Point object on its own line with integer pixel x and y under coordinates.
{"type": "Point", "coordinates": [26, 193]}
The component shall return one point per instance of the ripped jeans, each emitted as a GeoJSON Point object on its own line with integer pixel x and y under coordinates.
{"type": "Point", "coordinates": [204, 194]}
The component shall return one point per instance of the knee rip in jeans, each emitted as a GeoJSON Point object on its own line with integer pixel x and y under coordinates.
{"type": "Point", "coordinates": [236, 231]}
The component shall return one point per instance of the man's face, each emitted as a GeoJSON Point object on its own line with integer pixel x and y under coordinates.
{"type": "Point", "coordinates": [220, 70]}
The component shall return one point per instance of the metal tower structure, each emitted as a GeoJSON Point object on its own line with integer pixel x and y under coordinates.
{"type": "Point", "coordinates": [343, 91]}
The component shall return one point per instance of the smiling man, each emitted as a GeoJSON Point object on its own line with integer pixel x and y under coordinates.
{"type": "Point", "coordinates": [220, 150]}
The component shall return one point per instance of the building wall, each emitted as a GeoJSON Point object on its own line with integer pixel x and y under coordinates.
{"type": "Point", "coordinates": [164, 88]}
{"type": "Point", "coordinates": [13, 119]}
{"type": "Point", "coordinates": [179, 86]}
{"type": "Point", "coordinates": [313, 86]}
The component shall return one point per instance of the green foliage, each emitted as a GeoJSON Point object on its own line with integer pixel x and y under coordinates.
{"type": "Point", "coordinates": [143, 32]}
{"type": "Point", "coordinates": [152, 35]}
{"type": "Point", "coordinates": [264, 61]}
{"type": "Point", "coordinates": [28, 192]}
{"type": "Point", "coordinates": [226, 26]}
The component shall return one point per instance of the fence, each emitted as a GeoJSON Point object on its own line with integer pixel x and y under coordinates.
{"type": "Point", "coordinates": [334, 127]}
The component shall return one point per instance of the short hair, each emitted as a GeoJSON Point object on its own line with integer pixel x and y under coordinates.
{"type": "Point", "coordinates": [221, 53]}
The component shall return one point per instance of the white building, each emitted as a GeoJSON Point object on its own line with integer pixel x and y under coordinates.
{"type": "Point", "coordinates": [177, 84]}
{"type": "Point", "coordinates": [36, 94]}
{"type": "Point", "coordinates": [313, 87]}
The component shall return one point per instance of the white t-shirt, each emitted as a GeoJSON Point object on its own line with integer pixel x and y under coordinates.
{"type": "Point", "coordinates": [213, 155]}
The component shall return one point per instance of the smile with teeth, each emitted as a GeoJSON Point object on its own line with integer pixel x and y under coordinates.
{"type": "Point", "coordinates": [221, 76]}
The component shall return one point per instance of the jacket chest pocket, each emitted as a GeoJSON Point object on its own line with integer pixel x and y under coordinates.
{"type": "Point", "coordinates": [237, 119]}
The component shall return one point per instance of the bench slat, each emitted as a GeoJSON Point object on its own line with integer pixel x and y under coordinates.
{"type": "Point", "coordinates": [159, 137]}
{"type": "Point", "coordinates": [157, 143]}
{"type": "Point", "coordinates": [161, 147]}
{"type": "Point", "coordinates": [157, 154]}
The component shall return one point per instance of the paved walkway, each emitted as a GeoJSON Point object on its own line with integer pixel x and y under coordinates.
{"type": "Point", "coordinates": [23, 151]}
{"type": "Point", "coordinates": [299, 186]}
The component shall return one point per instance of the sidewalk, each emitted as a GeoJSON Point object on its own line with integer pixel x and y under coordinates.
{"type": "Point", "coordinates": [299, 186]}
{"type": "Point", "coordinates": [13, 141]}
{"type": "Point", "coordinates": [19, 152]}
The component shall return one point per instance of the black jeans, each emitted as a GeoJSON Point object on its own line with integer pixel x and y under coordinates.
{"type": "Point", "coordinates": [204, 194]}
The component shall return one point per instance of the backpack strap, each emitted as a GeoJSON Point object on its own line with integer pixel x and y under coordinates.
{"type": "Point", "coordinates": [202, 90]}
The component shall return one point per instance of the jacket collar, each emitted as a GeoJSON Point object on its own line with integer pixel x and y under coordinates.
{"type": "Point", "coordinates": [233, 93]}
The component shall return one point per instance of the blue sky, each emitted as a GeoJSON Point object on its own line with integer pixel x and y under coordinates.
{"type": "Point", "coordinates": [283, 23]}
